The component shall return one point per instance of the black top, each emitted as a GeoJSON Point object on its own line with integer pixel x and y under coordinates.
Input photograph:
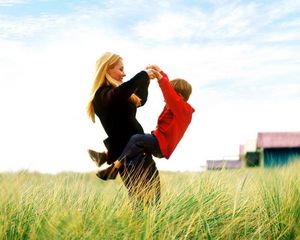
{"type": "Point", "coordinates": [117, 114]}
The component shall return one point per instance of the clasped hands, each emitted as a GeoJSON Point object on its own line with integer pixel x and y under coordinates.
{"type": "Point", "coordinates": [153, 71]}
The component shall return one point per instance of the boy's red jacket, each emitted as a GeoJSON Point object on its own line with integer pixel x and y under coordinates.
{"type": "Point", "coordinates": [174, 119]}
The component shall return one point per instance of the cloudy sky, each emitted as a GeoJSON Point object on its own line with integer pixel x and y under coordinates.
{"type": "Point", "coordinates": [242, 58]}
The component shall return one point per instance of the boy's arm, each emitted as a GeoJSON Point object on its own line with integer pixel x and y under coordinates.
{"type": "Point", "coordinates": [173, 100]}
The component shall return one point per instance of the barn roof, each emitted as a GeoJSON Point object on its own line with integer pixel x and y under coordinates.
{"type": "Point", "coordinates": [278, 139]}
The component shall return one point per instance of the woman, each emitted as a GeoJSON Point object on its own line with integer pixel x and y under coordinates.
{"type": "Point", "coordinates": [115, 104]}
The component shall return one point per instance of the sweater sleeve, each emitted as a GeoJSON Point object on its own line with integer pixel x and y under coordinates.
{"type": "Point", "coordinates": [139, 82]}
{"type": "Point", "coordinates": [142, 91]}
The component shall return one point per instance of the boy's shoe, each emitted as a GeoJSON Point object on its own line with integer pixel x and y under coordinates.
{"type": "Point", "coordinates": [98, 157]}
{"type": "Point", "coordinates": [109, 173]}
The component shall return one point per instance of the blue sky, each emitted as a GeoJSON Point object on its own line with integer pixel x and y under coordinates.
{"type": "Point", "coordinates": [242, 58]}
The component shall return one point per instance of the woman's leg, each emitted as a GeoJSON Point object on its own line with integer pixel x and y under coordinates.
{"type": "Point", "coordinates": [142, 181]}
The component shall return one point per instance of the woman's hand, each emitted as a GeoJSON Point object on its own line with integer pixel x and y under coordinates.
{"type": "Point", "coordinates": [153, 66]}
{"type": "Point", "coordinates": [150, 73]}
{"type": "Point", "coordinates": [154, 71]}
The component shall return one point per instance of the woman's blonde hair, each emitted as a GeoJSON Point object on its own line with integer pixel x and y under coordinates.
{"type": "Point", "coordinates": [106, 61]}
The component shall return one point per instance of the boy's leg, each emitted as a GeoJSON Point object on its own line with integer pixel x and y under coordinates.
{"type": "Point", "coordinates": [137, 146]}
{"type": "Point", "coordinates": [136, 149]}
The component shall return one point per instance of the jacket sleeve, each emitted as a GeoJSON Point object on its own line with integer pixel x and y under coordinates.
{"type": "Point", "coordinates": [175, 102]}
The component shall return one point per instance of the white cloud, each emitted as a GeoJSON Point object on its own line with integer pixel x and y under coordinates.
{"type": "Point", "coordinates": [12, 2]}
{"type": "Point", "coordinates": [280, 9]}
{"type": "Point", "coordinates": [224, 22]}
{"type": "Point", "coordinates": [20, 28]}
{"type": "Point", "coordinates": [166, 27]}
{"type": "Point", "coordinates": [295, 24]}
{"type": "Point", "coordinates": [278, 37]}
{"type": "Point", "coordinates": [233, 20]}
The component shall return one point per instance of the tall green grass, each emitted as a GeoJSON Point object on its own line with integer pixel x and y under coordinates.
{"type": "Point", "coordinates": [228, 204]}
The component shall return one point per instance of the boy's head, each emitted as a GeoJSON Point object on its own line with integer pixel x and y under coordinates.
{"type": "Point", "coordinates": [182, 87]}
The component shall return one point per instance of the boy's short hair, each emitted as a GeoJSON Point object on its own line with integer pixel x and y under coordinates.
{"type": "Point", "coordinates": [182, 87]}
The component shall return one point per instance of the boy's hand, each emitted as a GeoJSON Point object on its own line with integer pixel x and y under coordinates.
{"type": "Point", "coordinates": [157, 74]}
{"type": "Point", "coordinates": [153, 66]}
{"type": "Point", "coordinates": [151, 73]}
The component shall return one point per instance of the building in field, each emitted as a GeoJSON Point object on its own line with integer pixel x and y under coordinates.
{"type": "Point", "coordinates": [248, 154]}
{"type": "Point", "coordinates": [269, 149]}
{"type": "Point", "coordinates": [223, 164]}
{"type": "Point", "coordinates": [277, 148]}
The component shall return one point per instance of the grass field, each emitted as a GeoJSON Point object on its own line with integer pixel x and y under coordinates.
{"type": "Point", "coordinates": [228, 204]}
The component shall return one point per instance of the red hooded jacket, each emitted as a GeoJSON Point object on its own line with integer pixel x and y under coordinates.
{"type": "Point", "coordinates": [174, 119]}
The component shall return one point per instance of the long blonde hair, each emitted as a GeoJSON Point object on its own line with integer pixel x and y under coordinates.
{"type": "Point", "coordinates": [106, 61]}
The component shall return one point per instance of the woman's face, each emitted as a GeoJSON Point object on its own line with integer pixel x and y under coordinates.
{"type": "Point", "coordinates": [117, 72]}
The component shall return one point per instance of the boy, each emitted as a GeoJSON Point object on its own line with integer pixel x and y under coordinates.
{"type": "Point", "coordinates": [171, 126]}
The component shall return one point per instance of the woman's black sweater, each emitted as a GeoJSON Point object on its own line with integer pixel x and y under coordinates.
{"type": "Point", "coordinates": [117, 114]}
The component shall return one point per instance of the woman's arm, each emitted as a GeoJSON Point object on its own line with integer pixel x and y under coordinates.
{"type": "Point", "coordinates": [142, 91]}
{"type": "Point", "coordinates": [126, 89]}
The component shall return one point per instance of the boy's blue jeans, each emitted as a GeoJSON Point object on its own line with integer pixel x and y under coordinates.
{"type": "Point", "coordinates": [137, 147]}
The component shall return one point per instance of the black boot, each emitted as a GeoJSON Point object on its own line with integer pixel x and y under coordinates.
{"type": "Point", "coordinates": [98, 157]}
{"type": "Point", "coordinates": [109, 173]}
